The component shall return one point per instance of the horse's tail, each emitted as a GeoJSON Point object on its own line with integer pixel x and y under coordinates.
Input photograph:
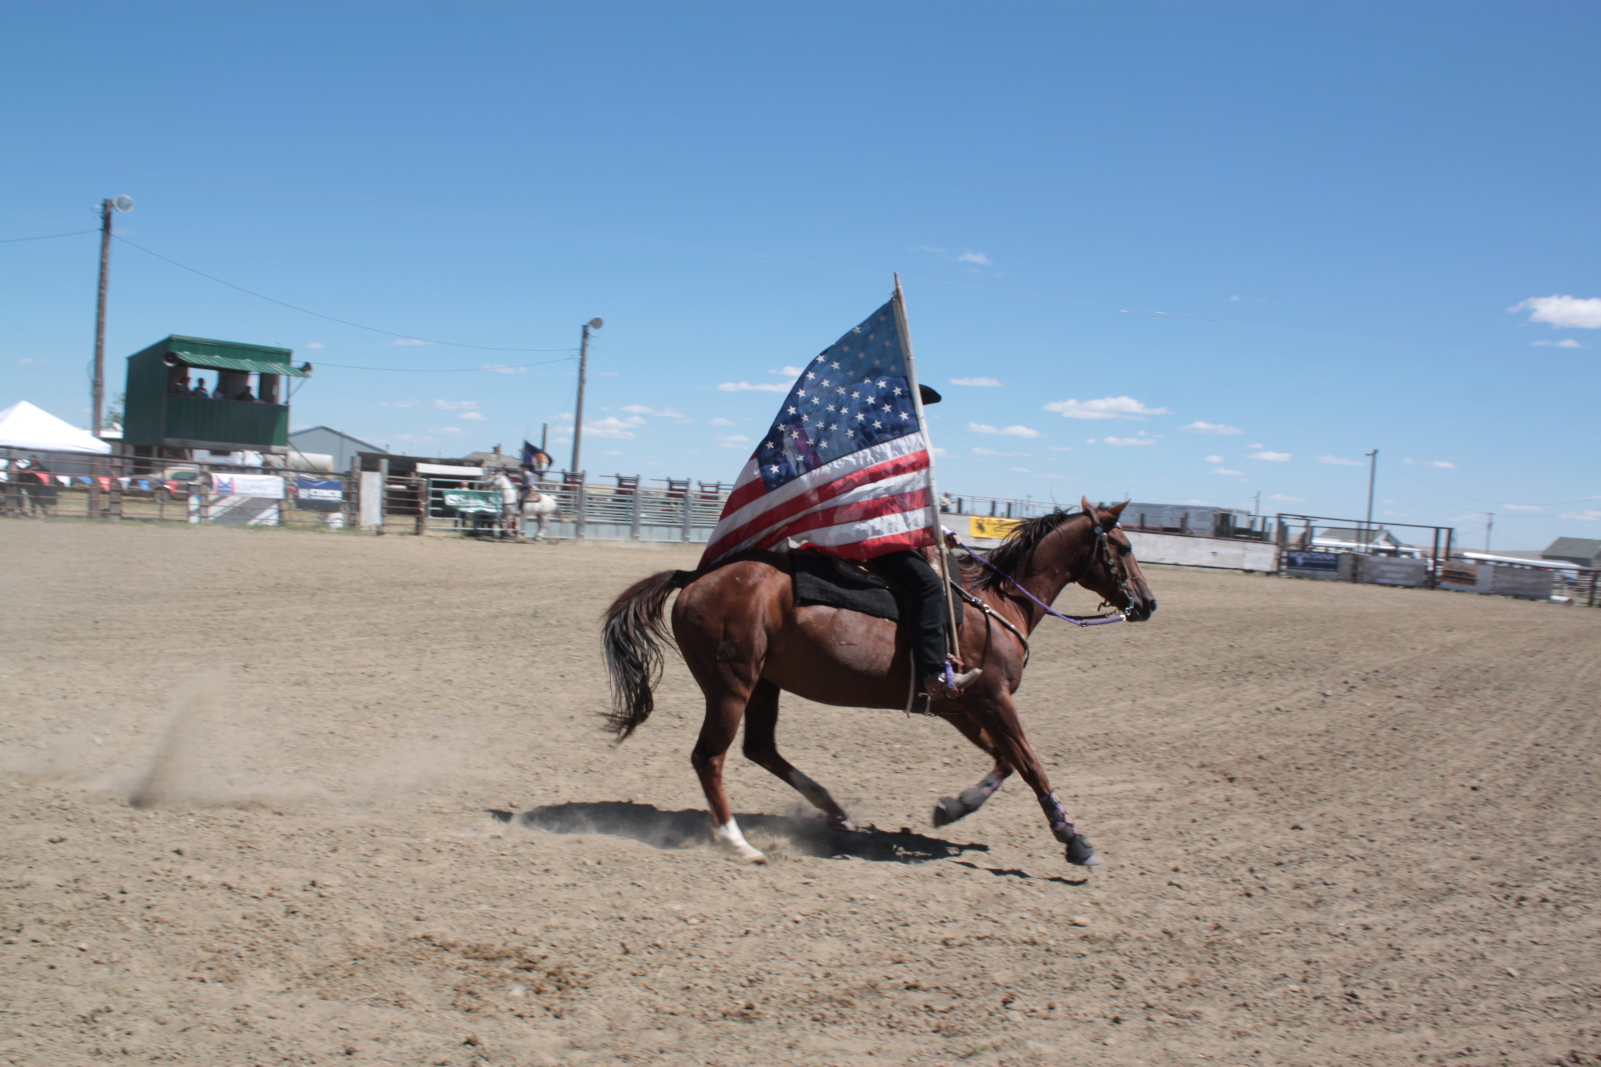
{"type": "Point", "coordinates": [633, 637]}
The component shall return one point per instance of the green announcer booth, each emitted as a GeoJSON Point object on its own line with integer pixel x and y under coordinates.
{"type": "Point", "coordinates": [194, 393]}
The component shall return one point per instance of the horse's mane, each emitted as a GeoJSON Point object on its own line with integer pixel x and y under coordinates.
{"type": "Point", "coordinates": [1019, 546]}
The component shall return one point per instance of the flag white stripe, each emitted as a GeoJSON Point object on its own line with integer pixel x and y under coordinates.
{"type": "Point", "coordinates": [871, 456]}
{"type": "Point", "coordinates": [894, 485]}
{"type": "Point", "coordinates": [865, 530]}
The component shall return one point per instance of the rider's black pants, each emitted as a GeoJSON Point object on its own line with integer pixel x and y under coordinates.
{"type": "Point", "coordinates": [924, 601]}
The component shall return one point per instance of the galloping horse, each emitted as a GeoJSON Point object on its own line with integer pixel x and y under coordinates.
{"type": "Point", "coordinates": [745, 641]}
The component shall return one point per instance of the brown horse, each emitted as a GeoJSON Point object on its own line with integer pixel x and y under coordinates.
{"type": "Point", "coordinates": [745, 641]}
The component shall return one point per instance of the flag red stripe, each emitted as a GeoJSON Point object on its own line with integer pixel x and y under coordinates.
{"type": "Point", "coordinates": [857, 511]}
{"type": "Point", "coordinates": [810, 499]}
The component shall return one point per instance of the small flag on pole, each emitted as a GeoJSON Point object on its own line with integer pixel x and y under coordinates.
{"type": "Point", "coordinates": [535, 459]}
{"type": "Point", "coordinates": [844, 467]}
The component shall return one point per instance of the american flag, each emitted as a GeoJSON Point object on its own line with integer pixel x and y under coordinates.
{"type": "Point", "coordinates": [844, 466]}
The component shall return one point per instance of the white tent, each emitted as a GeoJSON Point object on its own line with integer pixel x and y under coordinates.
{"type": "Point", "coordinates": [24, 426]}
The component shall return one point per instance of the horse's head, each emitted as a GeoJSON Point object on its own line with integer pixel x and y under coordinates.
{"type": "Point", "coordinates": [1112, 570]}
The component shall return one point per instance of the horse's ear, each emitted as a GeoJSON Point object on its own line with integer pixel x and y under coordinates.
{"type": "Point", "coordinates": [1089, 509]}
{"type": "Point", "coordinates": [1118, 510]}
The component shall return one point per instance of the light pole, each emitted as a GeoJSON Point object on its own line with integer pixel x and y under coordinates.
{"type": "Point", "coordinates": [583, 373]}
{"type": "Point", "coordinates": [98, 392]}
{"type": "Point", "coordinates": [1373, 465]}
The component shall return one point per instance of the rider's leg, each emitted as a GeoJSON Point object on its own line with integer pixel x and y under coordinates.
{"type": "Point", "coordinates": [909, 572]}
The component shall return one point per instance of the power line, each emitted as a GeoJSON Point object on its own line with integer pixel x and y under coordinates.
{"type": "Point", "coordinates": [506, 222]}
{"type": "Point", "coordinates": [498, 368]}
{"type": "Point", "coordinates": [320, 315]}
{"type": "Point", "coordinates": [46, 237]}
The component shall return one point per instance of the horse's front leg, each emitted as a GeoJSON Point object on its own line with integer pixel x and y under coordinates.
{"type": "Point", "coordinates": [997, 716]}
{"type": "Point", "coordinates": [949, 809]}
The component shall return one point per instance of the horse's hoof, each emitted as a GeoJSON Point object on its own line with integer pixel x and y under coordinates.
{"type": "Point", "coordinates": [843, 825]}
{"type": "Point", "coordinates": [1081, 853]}
{"type": "Point", "coordinates": [947, 810]}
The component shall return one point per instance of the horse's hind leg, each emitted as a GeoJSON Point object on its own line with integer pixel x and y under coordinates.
{"type": "Point", "coordinates": [949, 809]}
{"type": "Point", "coordinates": [761, 747]}
{"type": "Point", "coordinates": [723, 713]}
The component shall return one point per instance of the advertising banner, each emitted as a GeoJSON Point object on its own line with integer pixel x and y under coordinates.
{"type": "Point", "coordinates": [319, 494]}
{"type": "Point", "coordinates": [470, 500]}
{"type": "Point", "coordinates": [1312, 561]}
{"type": "Point", "coordinates": [983, 526]}
{"type": "Point", "coordinates": [265, 486]}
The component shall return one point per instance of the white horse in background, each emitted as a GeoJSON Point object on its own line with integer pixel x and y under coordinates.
{"type": "Point", "coordinates": [537, 506]}
{"type": "Point", "coordinates": [540, 507]}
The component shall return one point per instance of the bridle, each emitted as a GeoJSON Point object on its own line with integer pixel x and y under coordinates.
{"type": "Point", "coordinates": [1108, 558]}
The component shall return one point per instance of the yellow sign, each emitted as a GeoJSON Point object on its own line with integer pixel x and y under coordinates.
{"type": "Point", "coordinates": [983, 526]}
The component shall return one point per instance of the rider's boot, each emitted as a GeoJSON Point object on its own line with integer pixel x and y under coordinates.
{"type": "Point", "coordinates": [948, 684]}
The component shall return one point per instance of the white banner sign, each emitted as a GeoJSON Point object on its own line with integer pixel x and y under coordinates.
{"type": "Point", "coordinates": [269, 486]}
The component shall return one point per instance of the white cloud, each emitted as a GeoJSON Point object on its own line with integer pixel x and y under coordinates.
{"type": "Point", "coordinates": [1271, 457]}
{"type": "Point", "coordinates": [1523, 507]}
{"type": "Point", "coordinates": [612, 452]}
{"type": "Point", "coordinates": [1129, 440]}
{"type": "Point", "coordinates": [502, 368]}
{"type": "Point", "coordinates": [991, 452]}
{"type": "Point", "coordinates": [611, 374]}
{"type": "Point", "coordinates": [1108, 407]}
{"type": "Point", "coordinates": [1060, 448]}
{"type": "Point", "coordinates": [406, 342]}
{"type": "Point", "coordinates": [1008, 431]}
{"type": "Point", "coordinates": [455, 405]}
{"type": "Point", "coordinates": [314, 344]}
{"type": "Point", "coordinates": [634, 420]}
{"type": "Point", "coordinates": [611, 426]}
{"type": "Point", "coordinates": [475, 416]}
{"type": "Point", "coordinates": [1225, 470]}
{"type": "Point", "coordinates": [40, 362]}
{"type": "Point", "coordinates": [989, 383]}
{"type": "Point", "coordinates": [451, 431]}
{"type": "Point", "coordinates": [1341, 462]}
{"type": "Point", "coordinates": [1287, 499]}
{"type": "Point", "coordinates": [753, 387]}
{"type": "Point", "coordinates": [1563, 311]}
{"type": "Point", "coordinates": [400, 403]}
{"type": "Point", "coordinates": [722, 422]}
{"type": "Point", "coordinates": [789, 372]}
{"type": "Point", "coordinates": [1234, 298]}
{"type": "Point", "coordinates": [1442, 463]}
{"type": "Point", "coordinates": [1211, 427]}
{"type": "Point", "coordinates": [1566, 342]}
{"type": "Point", "coordinates": [1588, 515]}
{"type": "Point", "coordinates": [733, 437]}
{"type": "Point", "coordinates": [1255, 446]}
{"type": "Point", "coordinates": [637, 409]}
{"type": "Point", "coordinates": [1214, 459]}
{"type": "Point", "coordinates": [955, 257]}
{"type": "Point", "coordinates": [1020, 470]}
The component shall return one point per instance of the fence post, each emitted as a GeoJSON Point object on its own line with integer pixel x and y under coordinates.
{"type": "Point", "coordinates": [582, 504]}
{"type": "Point", "coordinates": [688, 512]}
{"type": "Point", "coordinates": [635, 517]}
{"type": "Point", "coordinates": [424, 492]}
{"type": "Point", "coordinates": [115, 506]}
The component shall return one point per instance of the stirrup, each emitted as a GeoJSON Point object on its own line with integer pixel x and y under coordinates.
{"type": "Point", "coordinates": [949, 685]}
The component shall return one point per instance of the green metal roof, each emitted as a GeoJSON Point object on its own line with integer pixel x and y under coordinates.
{"type": "Point", "coordinates": [256, 366]}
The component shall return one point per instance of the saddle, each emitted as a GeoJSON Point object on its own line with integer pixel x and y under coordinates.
{"type": "Point", "coordinates": [835, 582]}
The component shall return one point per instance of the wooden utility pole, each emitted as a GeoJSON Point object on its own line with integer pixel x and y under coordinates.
{"type": "Point", "coordinates": [583, 373]}
{"type": "Point", "coordinates": [97, 401]}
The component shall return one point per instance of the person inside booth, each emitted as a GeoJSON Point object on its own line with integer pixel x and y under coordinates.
{"type": "Point", "coordinates": [246, 395]}
{"type": "Point", "coordinates": [200, 387]}
{"type": "Point", "coordinates": [179, 386]}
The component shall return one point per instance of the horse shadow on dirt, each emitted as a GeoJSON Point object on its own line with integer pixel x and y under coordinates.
{"type": "Point", "coordinates": [687, 829]}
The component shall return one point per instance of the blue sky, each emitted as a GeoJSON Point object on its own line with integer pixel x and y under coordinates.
{"type": "Point", "coordinates": [1180, 252]}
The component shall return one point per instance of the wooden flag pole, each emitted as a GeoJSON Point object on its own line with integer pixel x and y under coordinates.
{"type": "Point", "coordinates": [952, 641]}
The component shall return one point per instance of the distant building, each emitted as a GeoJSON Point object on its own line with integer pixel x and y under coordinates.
{"type": "Point", "coordinates": [494, 458]}
{"type": "Point", "coordinates": [322, 440]}
{"type": "Point", "coordinates": [1585, 551]}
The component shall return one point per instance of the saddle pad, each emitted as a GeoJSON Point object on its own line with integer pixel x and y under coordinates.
{"type": "Point", "coordinates": [818, 581]}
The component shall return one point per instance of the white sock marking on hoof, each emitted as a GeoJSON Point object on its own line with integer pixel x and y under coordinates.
{"type": "Point", "coordinates": [729, 837]}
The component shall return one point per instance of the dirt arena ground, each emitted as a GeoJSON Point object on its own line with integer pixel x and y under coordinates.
{"type": "Point", "coordinates": [250, 779]}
